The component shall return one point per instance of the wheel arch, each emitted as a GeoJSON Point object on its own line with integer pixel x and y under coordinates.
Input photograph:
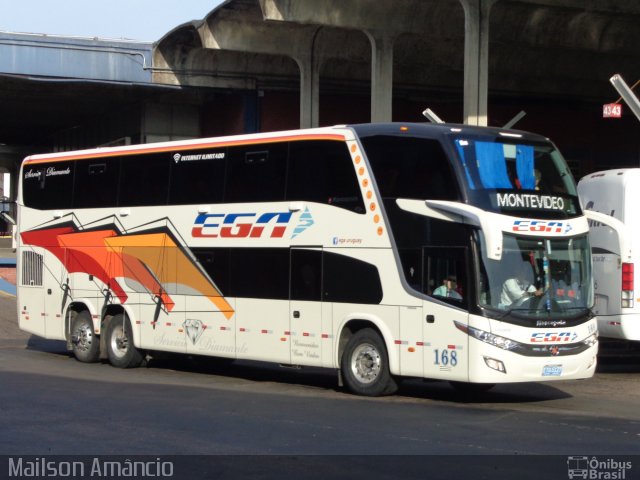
{"type": "Point", "coordinates": [359, 322]}
{"type": "Point", "coordinates": [75, 307]}
{"type": "Point", "coordinates": [110, 311]}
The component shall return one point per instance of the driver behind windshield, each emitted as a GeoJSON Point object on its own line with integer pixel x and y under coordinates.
{"type": "Point", "coordinates": [519, 287]}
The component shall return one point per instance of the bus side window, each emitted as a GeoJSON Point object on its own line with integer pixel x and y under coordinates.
{"type": "Point", "coordinates": [215, 262]}
{"type": "Point", "coordinates": [322, 171]}
{"type": "Point", "coordinates": [144, 180]}
{"type": "Point", "coordinates": [256, 173]}
{"type": "Point", "coordinates": [96, 183]}
{"type": "Point", "coordinates": [445, 273]}
{"type": "Point", "coordinates": [306, 275]}
{"type": "Point", "coordinates": [198, 181]}
{"type": "Point", "coordinates": [411, 168]}
{"type": "Point", "coordinates": [49, 186]}
{"type": "Point", "coordinates": [259, 273]}
{"type": "Point", "coordinates": [348, 280]}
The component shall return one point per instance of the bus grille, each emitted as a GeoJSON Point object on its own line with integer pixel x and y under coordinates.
{"type": "Point", "coordinates": [32, 268]}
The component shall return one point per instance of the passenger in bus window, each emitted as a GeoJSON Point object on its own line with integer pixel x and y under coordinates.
{"type": "Point", "coordinates": [519, 287]}
{"type": "Point", "coordinates": [448, 289]}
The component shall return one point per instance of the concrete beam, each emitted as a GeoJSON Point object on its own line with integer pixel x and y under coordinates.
{"type": "Point", "coordinates": [399, 16]}
{"type": "Point", "coordinates": [380, 21]}
{"type": "Point", "coordinates": [476, 60]}
{"type": "Point", "coordinates": [223, 31]}
{"type": "Point", "coordinates": [381, 75]}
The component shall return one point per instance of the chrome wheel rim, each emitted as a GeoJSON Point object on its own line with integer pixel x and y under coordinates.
{"type": "Point", "coordinates": [366, 363]}
{"type": "Point", "coordinates": [119, 342]}
{"type": "Point", "coordinates": [83, 337]}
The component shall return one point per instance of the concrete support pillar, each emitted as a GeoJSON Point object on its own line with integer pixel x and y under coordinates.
{"type": "Point", "coordinates": [476, 60]}
{"type": "Point", "coordinates": [309, 91]}
{"type": "Point", "coordinates": [381, 75]}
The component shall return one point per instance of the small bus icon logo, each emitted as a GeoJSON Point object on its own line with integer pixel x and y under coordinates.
{"type": "Point", "coordinates": [578, 467]}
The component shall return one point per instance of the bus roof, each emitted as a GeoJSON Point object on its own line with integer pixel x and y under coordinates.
{"type": "Point", "coordinates": [337, 132]}
{"type": "Point", "coordinates": [436, 130]}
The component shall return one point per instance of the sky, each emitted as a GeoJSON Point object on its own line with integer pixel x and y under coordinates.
{"type": "Point", "coordinates": [144, 20]}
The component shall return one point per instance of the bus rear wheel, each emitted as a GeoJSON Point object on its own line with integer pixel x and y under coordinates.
{"type": "Point", "coordinates": [84, 343]}
{"type": "Point", "coordinates": [365, 365]}
{"type": "Point", "coordinates": [120, 349]}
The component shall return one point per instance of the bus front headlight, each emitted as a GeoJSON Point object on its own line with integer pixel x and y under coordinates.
{"type": "Point", "coordinates": [490, 338]}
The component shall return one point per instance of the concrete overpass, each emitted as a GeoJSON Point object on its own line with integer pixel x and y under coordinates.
{"type": "Point", "coordinates": [256, 65]}
{"type": "Point", "coordinates": [561, 48]}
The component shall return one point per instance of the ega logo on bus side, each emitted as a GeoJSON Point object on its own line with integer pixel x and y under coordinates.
{"type": "Point", "coordinates": [240, 225]}
{"type": "Point", "coordinates": [248, 225]}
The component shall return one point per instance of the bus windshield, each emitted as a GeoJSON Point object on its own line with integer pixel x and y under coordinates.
{"type": "Point", "coordinates": [515, 177]}
{"type": "Point", "coordinates": [537, 278]}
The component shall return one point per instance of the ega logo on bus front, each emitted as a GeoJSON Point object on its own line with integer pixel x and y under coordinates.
{"type": "Point", "coordinates": [541, 226]}
{"type": "Point", "coordinates": [553, 337]}
{"type": "Point", "coordinates": [241, 225]}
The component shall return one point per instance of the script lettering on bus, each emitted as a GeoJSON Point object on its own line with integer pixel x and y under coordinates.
{"type": "Point", "coordinates": [49, 172]}
{"type": "Point", "coordinates": [240, 225]}
{"type": "Point", "coordinates": [525, 200]}
{"type": "Point", "coordinates": [32, 174]}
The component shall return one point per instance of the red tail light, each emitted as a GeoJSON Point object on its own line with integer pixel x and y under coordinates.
{"type": "Point", "coordinates": [627, 285]}
{"type": "Point", "coordinates": [627, 277]}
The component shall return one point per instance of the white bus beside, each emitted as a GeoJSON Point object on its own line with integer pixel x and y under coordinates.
{"type": "Point", "coordinates": [614, 240]}
{"type": "Point", "coordinates": [381, 251]}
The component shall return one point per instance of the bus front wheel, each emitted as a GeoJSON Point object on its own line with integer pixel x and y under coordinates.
{"type": "Point", "coordinates": [365, 365]}
{"type": "Point", "coordinates": [120, 349]}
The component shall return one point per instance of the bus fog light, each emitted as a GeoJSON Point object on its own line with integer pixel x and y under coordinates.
{"type": "Point", "coordinates": [592, 340]}
{"type": "Point", "coordinates": [495, 364]}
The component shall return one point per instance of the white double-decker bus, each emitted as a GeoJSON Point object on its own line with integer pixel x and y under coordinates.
{"type": "Point", "coordinates": [381, 251]}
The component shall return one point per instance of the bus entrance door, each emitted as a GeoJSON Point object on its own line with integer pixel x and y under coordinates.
{"type": "Point", "coordinates": [306, 333]}
{"type": "Point", "coordinates": [445, 346]}
{"type": "Point", "coordinates": [445, 280]}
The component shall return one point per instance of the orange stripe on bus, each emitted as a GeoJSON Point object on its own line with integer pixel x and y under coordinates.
{"type": "Point", "coordinates": [178, 147]}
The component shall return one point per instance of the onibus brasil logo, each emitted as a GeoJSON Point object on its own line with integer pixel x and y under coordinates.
{"type": "Point", "coordinates": [597, 469]}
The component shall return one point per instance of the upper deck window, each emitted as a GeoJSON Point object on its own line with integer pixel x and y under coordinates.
{"type": "Point", "coordinates": [516, 177]}
{"type": "Point", "coordinates": [411, 167]}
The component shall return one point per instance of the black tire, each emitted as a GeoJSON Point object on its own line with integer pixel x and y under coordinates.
{"type": "Point", "coordinates": [85, 345]}
{"type": "Point", "coordinates": [365, 365]}
{"type": "Point", "coordinates": [119, 339]}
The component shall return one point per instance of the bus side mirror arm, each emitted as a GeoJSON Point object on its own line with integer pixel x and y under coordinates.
{"type": "Point", "coordinates": [462, 213]}
{"type": "Point", "coordinates": [490, 226]}
{"type": "Point", "coordinates": [623, 232]}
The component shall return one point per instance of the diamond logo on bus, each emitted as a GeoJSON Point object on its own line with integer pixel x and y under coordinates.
{"type": "Point", "coordinates": [194, 329]}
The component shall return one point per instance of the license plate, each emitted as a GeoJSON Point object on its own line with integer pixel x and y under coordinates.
{"type": "Point", "coordinates": [552, 370]}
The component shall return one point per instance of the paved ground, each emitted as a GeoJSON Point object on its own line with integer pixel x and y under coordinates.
{"type": "Point", "coordinates": [50, 404]}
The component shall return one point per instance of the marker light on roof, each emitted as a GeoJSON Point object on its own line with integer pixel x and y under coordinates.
{"type": "Point", "coordinates": [515, 135]}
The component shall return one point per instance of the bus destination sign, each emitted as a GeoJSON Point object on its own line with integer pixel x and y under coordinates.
{"type": "Point", "coordinates": [530, 201]}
